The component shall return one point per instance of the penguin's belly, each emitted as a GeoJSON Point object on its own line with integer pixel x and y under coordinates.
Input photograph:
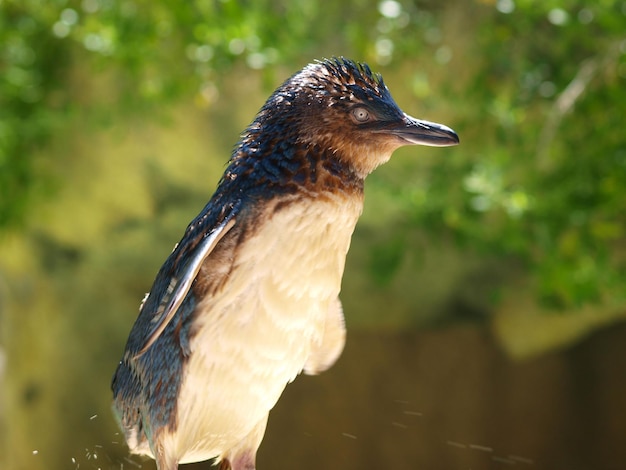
{"type": "Point", "coordinates": [255, 334]}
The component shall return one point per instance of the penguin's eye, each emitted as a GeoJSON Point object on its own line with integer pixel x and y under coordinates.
{"type": "Point", "coordinates": [360, 115]}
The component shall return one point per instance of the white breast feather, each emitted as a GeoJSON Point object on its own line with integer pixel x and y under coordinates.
{"type": "Point", "coordinates": [255, 336]}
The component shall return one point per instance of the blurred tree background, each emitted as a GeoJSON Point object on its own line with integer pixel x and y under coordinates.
{"type": "Point", "coordinates": [116, 120]}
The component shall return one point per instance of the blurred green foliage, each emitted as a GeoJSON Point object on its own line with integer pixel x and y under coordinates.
{"type": "Point", "coordinates": [116, 118]}
{"type": "Point", "coordinates": [538, 97]}
{"type": "Point", "coordinates": [546, 104]}
{"type": "Point", "coordinates": [543, 167]}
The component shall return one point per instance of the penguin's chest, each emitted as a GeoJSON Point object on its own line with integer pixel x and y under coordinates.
{"type": "Point", "coordinates": [254, 335]}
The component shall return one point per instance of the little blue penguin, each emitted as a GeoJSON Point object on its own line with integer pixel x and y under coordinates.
{"type": "Point", "coordinates": [249, 297]}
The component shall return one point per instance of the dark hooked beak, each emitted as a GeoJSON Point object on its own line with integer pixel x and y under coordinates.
{"type": "Point", "coordinates": [418, 132]}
